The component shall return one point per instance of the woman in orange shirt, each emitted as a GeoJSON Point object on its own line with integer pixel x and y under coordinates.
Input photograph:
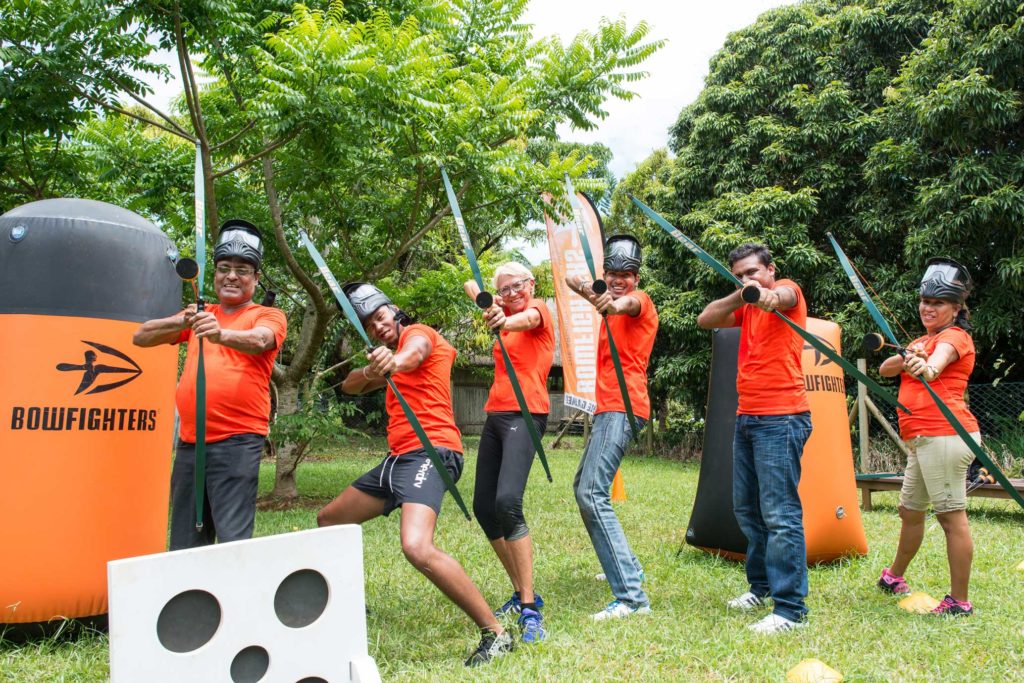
{"type": "Point", "coordinates": [506, 449]}
{"type": "Point", "coordinates": [419, 362]}
{"type": "Point", "coordinates": [938, 460]}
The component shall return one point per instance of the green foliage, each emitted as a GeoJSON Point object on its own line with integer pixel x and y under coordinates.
{"type": "Point", "coordinates": [327, 117]}
{"type": "Point", "coordinates": [893, 124]}
{"type": "Point", "coordinates": [320, 421]}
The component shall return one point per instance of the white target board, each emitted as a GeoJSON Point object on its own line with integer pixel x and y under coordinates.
{"type": "Point", "coordinates": [287, 608]}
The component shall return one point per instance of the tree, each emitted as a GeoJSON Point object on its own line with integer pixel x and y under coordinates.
{"type": "Point", "coordinates": [335, 119]}
{"type": "Point", "coordinates": [779, 147]}
{"type": "Point", "coordinates": [947, 176]}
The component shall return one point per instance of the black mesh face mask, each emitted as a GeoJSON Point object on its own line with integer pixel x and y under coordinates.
{"type": "Point", "coordinates": [239, 239]}
{"type": "Point", "coordinates": [945, 279]}
{"type": "Point", "coordinates": [622, 253]}
{"type": "Point", "coordinates": [365, 299]}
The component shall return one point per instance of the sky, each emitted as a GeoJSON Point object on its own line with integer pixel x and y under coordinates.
{"type": "Point", "coordinates": [694, 30]}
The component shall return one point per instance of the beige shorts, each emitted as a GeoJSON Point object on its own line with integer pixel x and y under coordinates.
{"type": "Point", "coordinates": [937, 473]}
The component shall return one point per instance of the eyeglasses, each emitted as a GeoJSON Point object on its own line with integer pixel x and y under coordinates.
{"type": "Point", "coordinates": [513, 287]}
{"type": "Point", "coordinates": [240, 271]}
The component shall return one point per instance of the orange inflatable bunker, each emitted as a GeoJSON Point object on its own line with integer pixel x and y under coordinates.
{"type": "Point", "coordinates": [828, 489]}
{"type": "Point", "coordinates": [86, 418]}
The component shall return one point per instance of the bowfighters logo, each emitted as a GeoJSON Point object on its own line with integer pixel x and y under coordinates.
{"type": "Point", "coordinates": [829, 383]}
{"type": "Point", "coordinates": [98, 375]}
{"type": "Point", "coordinates": [91, 371]}
{"type": "Point", "coordinates": [820, 359]}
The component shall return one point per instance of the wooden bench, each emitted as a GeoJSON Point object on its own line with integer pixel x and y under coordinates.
{"type": "Point", "coordinates": [869, 484]}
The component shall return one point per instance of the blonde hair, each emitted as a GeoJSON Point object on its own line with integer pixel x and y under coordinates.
{"type": "Point", "coordinates": [512, 268]}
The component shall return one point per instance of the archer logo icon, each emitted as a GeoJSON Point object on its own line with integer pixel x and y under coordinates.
{"type": "Point", "coordinates": [91, 370]}
{"type": "Point", "coordinates": [820, 359]}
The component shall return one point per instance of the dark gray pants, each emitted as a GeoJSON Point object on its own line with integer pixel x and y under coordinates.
{"type": "Point", "coordinates": [232, 473]}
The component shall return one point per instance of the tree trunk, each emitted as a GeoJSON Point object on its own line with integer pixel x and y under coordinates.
{"type": "Point", "coordinates": [288, 453]}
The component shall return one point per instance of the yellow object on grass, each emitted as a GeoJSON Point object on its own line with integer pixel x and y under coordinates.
{"type": "Point", "coordinates": [919, 602]}
{"type": "Point", "coordinates": [813, 671]}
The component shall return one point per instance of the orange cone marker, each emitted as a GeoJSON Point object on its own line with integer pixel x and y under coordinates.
{"type": "Point", "coordinates": [618, 488]}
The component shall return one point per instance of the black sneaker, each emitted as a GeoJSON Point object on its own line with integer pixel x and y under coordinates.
{"type": "Point", "coordinates": [491, 645]}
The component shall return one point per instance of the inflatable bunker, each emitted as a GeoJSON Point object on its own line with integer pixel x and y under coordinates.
{"type": "Point", "coordinates": [828, 490]}
{"type": "Point", "coordinates": [86, 418]}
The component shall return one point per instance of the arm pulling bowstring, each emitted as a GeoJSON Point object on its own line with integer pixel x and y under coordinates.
{"type": "Point", "coordinates": [484, 300]}
{"type": "Point", "coordinates": [720, 268]}
{"type": "Point", "coordinates": [961, 431]}
{"type": "Point", "coordinates": [600, 287]}
{"type": "Point", "coordinates": [350, 313]}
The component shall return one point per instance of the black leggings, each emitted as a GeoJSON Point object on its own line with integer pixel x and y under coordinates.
{"type": "Point", "coordinates": [502, 469]}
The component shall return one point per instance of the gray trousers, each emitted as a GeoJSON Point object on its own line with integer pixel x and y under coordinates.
{"type": "Point", "coordinates": [232, 473]}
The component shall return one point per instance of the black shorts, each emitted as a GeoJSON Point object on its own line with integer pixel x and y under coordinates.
{"type": "Point", "coordinates": [410, 478]}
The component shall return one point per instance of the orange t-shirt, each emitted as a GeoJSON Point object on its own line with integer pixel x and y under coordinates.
{"type": "Point", "coordinates": [950, 386]}
{"type": "Point", "coordinates": [427, 390]}
{"type": "Point", "coordinates": [770, 375]}
{"type": "Point", "coordinates": [634, 339]}
{"type": "Point", "coordinates": [237, 383]}
{"type": "Point", "coordinates": [531, 353]}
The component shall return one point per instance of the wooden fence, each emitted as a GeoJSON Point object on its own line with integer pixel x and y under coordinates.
{"type": "Point", "coordinates": [469, 408]}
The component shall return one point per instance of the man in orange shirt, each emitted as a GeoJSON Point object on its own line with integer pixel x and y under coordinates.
{"type": "Point", "coordinates": [243, 339]}
{"type": "Point", "coordinates": [772, 425]}
{"type": "Point", "coordinates": [419, 361]}
{"type": "Point", "coordinates": [634, 322]}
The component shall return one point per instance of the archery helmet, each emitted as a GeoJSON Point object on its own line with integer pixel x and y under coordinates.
{"type": "Point", "coordinates": [622, 253]}
{"type": "Point", "coordinates": [240, 239]}
{"type": "Point", "coordinates": [946, 279]}
{"type": "Point", "coordinates": [365, 299]}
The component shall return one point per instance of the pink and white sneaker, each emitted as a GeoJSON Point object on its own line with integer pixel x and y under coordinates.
{"type": "Point", "coordinates": [890, 583]}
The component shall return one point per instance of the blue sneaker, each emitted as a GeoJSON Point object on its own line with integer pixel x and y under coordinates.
{"type": "Point", "coordinates": [514, 605]}
{"type": "Point", "coordinates": [531, 623]}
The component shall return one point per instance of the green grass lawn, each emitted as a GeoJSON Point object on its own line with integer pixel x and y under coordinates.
{"type": "Point", "coordinates": [416, 634]}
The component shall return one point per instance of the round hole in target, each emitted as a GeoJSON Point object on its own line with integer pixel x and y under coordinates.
{"type": "Point", "coordinates": [250, 665]}
{"type": "Point", "coordinates": [312, 679]}
{"type": "Point", "coordinates": [188, 621]}
{"type": "Point", "coordinates": [301, 598]}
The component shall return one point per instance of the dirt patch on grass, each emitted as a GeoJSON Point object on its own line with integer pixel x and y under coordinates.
{"type": "Point", "coordinates": [268, 504]}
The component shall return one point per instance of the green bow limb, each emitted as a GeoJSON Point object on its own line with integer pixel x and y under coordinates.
{"type": "Point", "coordinates": [719, 268]}
{"type": "Point", "coordinates": [958, 427]}
{"type": "Point", "coordinates": [199, 471]}
{"type": "Point", "coordinates": [350, 313]}
{"type": "Point", "coordinates": [485, 302]}
{"type": "Point", "coordinates": [612, 349]}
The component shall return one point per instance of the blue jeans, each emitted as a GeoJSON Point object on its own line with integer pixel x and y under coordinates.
{"type": "Point", "coordinates": [601, 458]}
{"type": "Point", "coordinates": [766, 454]}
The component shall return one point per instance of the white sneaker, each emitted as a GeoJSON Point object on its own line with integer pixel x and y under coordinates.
{"type": "Point", "coordinates": [773, 623]}
{"type": "Point", "coordinates": [617, 610]}
{"type": "Point", "coordinates": [746, 602]}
